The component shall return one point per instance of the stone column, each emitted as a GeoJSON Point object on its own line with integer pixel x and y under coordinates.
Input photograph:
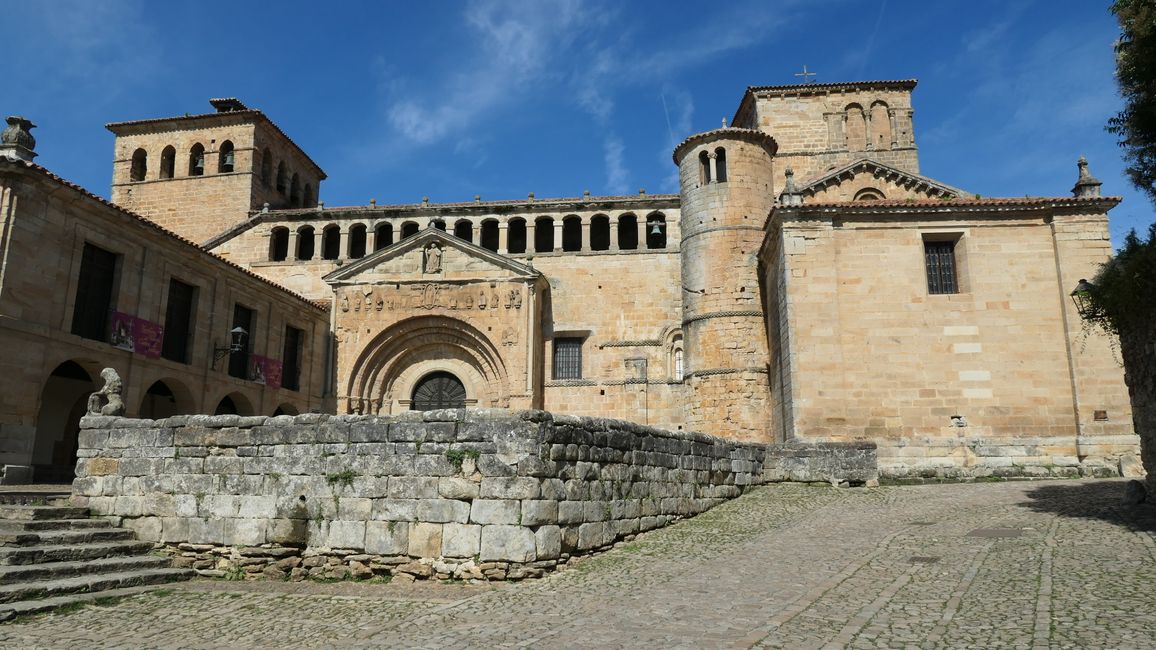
{"type": "Point", "coordinates": [641, 223]}
{"type": "Point", "coordinates": [291, 253]}
{"type": "Point", "coordinates": [558, 235]}
{"type": "Point", "coordinates": [343, 244]}
{"type": "Point", "coordinates": [614, 233]}
{"type": "Point", "coordinates": [713, 167]}
{"type": "Point", "coordinates": [503, 238]}
{"type": "Point", "coordinates": [530, 236]}
{"type": "Point", "coordinates": [585, 234]}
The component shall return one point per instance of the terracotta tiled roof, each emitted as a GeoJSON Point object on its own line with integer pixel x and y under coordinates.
{"type": "Point", "coordinates": [164, 231]}
{"type": "Point", "coordinates": [907, 84]}
{"type": "Point", "coordinates": [112, 126]}
{"type": "Point", "coordinates": [1027, 202]}
{"type": "Point", "coordinates": [638, 198]}
{"type": "Point", "coordinates": [730, 132]}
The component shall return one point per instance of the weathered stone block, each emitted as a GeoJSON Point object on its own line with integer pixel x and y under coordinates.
{"type": "Point", "coordinates": [451, 487]}
{"type": "Point", "coordinates": [539, 512]}
{"type": "Point", "coordinates": [591, 535]}
{"type": "Point", "coordinates": [346, 534]}
{"type": "Point", "coordinates": [485, 511]}
{"type": "Point", "coordinates": [461, 540]}
{"type": "Point", "coordinates": [443, 510]}
{"type": "Point", "coordinates": [548, 542]}
{"type": "Point", "coordinates": [413, 487]}
{"type": "Point", "coordinates": [508, 543]}
{"type": "Point", "coordinates": [394, 509]}
{"type": "Point", "coordinates": [510, 488]}
{"type": "Point", "coordinates": [425, 540]}
{"type": "Point", "coordinates": [387, 537]}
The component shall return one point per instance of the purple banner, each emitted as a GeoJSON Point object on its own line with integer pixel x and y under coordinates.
{"type": "Point", "coordinates": [136, 335]}
{"type": "Point", "coordinates": [265, 371]}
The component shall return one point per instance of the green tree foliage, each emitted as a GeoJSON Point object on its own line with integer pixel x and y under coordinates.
{"type": "Point", "coordinates": [1124, 298]}
{"type": "Point", "coordinates": [1136, 72]}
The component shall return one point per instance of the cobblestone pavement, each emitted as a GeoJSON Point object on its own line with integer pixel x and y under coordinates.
{"type": "Point", "coordinates": [1054, 564]}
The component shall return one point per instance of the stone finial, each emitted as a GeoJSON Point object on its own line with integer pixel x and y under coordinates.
{"type": "Point", "coordinates": [424, 201]}
{"type": "Point", "coordinates": [265, 206]}
{"type": "Point", "coordinates": [373, 203]}
{"type": "Point", "coordinates": [477, 198]}
{"type": "Point", "coordinates": [1087, 186]}
{"type": "Point", "coordinates": [642, 191]}
{"type": "Point", "coordinates": [107, 400]}
{"type": "Point", "coordinates": [321, 206]}
{"type": "Point", "coordinates": [724, 123]}
{"type": "Point", "coordinates": [16, 141]}
{"type": "Point", "coordinates": [586, 194]}
{"type": "Point", "coordinates": [530, 197]}
{"type": "Point", "coordinates": [791, 195]}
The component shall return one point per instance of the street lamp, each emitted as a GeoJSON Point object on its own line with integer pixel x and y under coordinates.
{"type": "Point", "coordinates": [236, 344]}
{"type": "Point", "coordinates": [1082, 297]}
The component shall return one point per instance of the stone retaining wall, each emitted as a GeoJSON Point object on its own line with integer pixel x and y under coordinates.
{"type": "Point", "coordinates": [468, 494]}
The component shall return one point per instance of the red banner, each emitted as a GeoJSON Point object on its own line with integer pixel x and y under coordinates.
{"type": "Point", "coordinates": [136, 335]}
{"type": "Point", "coordinates": [266, 371]}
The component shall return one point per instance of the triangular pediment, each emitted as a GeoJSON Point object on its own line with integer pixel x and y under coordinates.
{"type": "Point", "coordinates": [414, 258]}
{"type": "Point", "coordinates": [866, 179]}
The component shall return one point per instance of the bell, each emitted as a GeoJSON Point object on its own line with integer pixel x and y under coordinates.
{"type": "Point", "coordinates": [656, 227]}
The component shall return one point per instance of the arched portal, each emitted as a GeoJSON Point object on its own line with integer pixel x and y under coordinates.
{"type": "Point", "coordinates": [63, 401]}
{"type": "Point", "coordinates": [438, 390]}
{"type": "Point", "coordinates": [165, 398]}
{"type": "Point", "coordinates": [388, 371]}
{"type": "Point", "coordinates": [234, 404]}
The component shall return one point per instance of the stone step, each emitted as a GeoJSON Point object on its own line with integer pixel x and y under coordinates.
{"type": "Point", "coordinates": [90, 583]}
{"type": "Point", "coordinates": [10, 555]}
{"type": "Point", "coordinates": [10, 526]}
{"type": "Point", "coordinates": [62, 537]}
{"type": "Point", "coordinates": [35, 498]}
{"type": "Point", "coordinates": [53, 570]}
{"type": "Point", "coordinates": [29, 513]}
{"type": "Point", "coordinates": [10, 610]}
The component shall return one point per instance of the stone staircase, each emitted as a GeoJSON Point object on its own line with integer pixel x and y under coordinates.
{"type": "Point", "coordinates": [53, 554]}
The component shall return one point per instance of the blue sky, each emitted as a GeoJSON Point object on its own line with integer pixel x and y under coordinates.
{"type": "Point", "coordinates": [448, 99]}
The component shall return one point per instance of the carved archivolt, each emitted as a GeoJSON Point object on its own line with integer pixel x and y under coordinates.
{"type": "Point", "coordinates": [426, 341]}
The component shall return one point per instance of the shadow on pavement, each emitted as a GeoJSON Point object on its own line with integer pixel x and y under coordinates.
{"type": "Point", "coordinates": [1093, 500]}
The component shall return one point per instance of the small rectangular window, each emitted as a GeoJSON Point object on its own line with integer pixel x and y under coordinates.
{"type": "Point", "coordinates": [92, 308]}
{"type": "Point", "coordinates": [941, 270]}
{"type": "Point", "coordinates": [568, 358]}
{"type": "Point", "coordinates": [178, 322]}
{"type": "Point", "coordinates": [239, 360]}
{"type": "Point", "coordinates": [291, 358]}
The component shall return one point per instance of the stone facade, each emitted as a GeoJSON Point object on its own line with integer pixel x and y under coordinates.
{"type": "Point", "coordinates": [49, 365]}
{"type": "Point", "coordinates": [468, 493]}
{"type": "Point", "coordinates": [807, 284]}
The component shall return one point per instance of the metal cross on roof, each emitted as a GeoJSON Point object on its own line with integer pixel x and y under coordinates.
{"type": "Point", "coordinates": [804, 74]}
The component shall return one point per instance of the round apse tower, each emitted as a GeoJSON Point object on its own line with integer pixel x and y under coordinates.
{"type": "Point", "coordinates": [727, 191]}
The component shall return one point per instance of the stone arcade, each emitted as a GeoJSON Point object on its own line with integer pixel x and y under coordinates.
{"type": "Point", "coordinates": [806, 284]}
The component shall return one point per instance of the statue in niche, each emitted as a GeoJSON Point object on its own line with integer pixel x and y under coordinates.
{"type": "Point", "coordinates": [433, 258]}
{"type": "Point", "coordinates": [380, 304]}
{"type": "Point", "coordinates": [517, 299]}
{"type": "Point", "coordinates": [509, 337]}
{"type": "Point", "coordinates": [344, 303]}
{"type": "Point", "coordinates": [482, 300]}
{"type": "Point", "coordinates": [107, 400]}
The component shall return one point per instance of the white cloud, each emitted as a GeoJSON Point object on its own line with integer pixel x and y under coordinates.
{"type": "Point", "coordinates": [617, 176]}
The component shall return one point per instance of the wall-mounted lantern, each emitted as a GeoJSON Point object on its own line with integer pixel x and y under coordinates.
{"type": "Point", "coordinates": [1082, 297]}
{"type": "Point", "coordinates": [236, 344]}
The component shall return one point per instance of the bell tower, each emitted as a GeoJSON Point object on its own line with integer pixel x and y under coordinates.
{"type": "Point", "coordinates": [726, 181]}
{"type": "Point", "coordinates": [198, 175]}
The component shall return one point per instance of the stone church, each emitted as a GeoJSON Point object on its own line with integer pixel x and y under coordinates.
{"type": "Point", "coordinates": [807, 283]}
